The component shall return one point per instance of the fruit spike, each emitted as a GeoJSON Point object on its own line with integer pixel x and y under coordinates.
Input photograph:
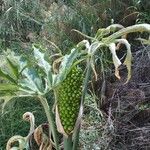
{"type": "Point", "coordinates": [69, 98]}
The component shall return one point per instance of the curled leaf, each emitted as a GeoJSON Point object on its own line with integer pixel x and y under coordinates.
{"type": "Point", "coordinates": [28, 116]}
{"type": "Point", "coordinates": [21, 141]}
{"type": "Point", "coordinates": [84, 43]}
{"type": "Point", "coordinates": [128, 58]}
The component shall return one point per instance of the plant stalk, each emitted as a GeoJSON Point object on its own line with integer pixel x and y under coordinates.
{"type": "Point", "coordinates": [76, 138]}
{"type": "Point", "coordinates": [68, 142]}
{"type": "Point", "coordinates": [50, 118]}
{"type": "Point", "coordinates": [85, 87]}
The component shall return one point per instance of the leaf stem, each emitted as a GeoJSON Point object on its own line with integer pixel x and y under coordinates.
{"type": "Point", "coordinates": [68, 142]}
{"type": "Point", "coordinates": [50, 119]}
{"type": "Point", "coordinates": [85, 87]}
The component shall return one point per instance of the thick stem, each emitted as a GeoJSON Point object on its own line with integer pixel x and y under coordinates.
{"type": "Point", "coordinates": [76, 139]}
{"type": "Point", "coordinates": [50, 118]}
{"type": "Point", "coordinates": [68, 142]}
{"type": "Point", "coordinates": [85, 87]}
{"type": "Point", "coordinates": [87, 77]}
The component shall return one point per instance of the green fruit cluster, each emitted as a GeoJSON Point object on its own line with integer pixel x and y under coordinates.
{"type": "Point", "coordinates": [69, 98]}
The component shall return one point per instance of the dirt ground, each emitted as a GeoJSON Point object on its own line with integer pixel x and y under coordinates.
{"type": "Point", "coordinates": [128, 106]}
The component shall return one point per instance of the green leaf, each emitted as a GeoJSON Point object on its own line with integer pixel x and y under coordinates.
{"type": "Point", "coordinates": [7, 92]}
{"type": "Point", "coordinates": [5, 75]}
{"type": "Point", "coordinates": [8, 87]}
{"type": "Point", "coordinates": [16, 63]}
{"type": "Point", "coordinates": [13, 69]}
{"type": "Point", "coordinates": [43, 63]}
{"type": "Point", "coordinates": [32, 81]}
{"type": "Point", "coordinates": [65, 67]}
{"type": "Point", "coordinates": [40, 57]}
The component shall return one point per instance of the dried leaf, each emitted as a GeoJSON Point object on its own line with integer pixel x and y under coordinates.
{"type": "Point", "coordinates": [60, 128]}
{"type": "Point", "coordinates": [42, 139]}
{"type": "Point", "coordinates": [13, 140]}
{"type": "Point", "coordinates": [79, 118]}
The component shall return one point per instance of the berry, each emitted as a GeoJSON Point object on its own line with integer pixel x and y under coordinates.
{"type": "Point", "coordinates": [69, 98]}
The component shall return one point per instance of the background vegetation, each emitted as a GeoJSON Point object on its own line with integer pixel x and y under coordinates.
{"type": "Point", "coordinates": [24, 22]}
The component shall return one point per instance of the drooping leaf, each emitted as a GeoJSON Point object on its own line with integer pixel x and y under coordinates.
{"type": "Point", "coordinates": [116, 60]}
{"type": "Point", "coordinates": [124, 31]}
{"type": "Point", "coordinates": [144, 41]}
{"type": "Point", "coordinates": [128, 58]}
{"type": "Point", "coordinates": [127, 62]}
